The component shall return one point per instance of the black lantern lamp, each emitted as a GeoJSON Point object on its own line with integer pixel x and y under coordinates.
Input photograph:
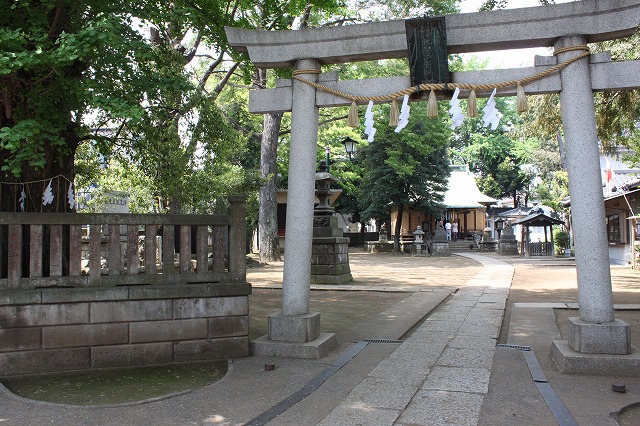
{"type": "Point", "coordinates": [349, 146]}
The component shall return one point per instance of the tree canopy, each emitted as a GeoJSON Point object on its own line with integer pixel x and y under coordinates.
{"type": "Point", "coordinates": [69, 68]}
{"type": "Point", "coordinates": [410, 167]}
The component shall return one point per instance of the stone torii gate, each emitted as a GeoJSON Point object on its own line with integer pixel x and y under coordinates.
{"type": "Point", "coordinates": [567, 27]}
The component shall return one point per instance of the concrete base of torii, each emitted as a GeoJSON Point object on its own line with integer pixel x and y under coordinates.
{"type": "Point", "coordinates": [596, 348]}
{"type": "Point", "coordinates": [294, 336]}
{"type": "Point", "coordinates": [569, 361]}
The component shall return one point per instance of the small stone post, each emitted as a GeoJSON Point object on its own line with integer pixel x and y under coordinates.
{"type": "Point", "coordinates": [237, 239]}
{"type": "Point", "coordinates": [507, 245]}
{"type": "Point", "coordinates": [440, 244]}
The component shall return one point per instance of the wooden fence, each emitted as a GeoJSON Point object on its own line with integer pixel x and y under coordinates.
{"type": "Point", "coordinates": [539, 249]}
{"type": "Point", "coordinates": [40, 250]}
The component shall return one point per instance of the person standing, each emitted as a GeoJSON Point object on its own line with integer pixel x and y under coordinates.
{"type": "Point", "coordinates": [447, 227]}
{"type": "Point", "coordinates": [454, 231]}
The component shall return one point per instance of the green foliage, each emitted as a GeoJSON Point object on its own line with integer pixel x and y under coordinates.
{"type": "Point", "coordinates": [561, 239]}
{"type": "Point", "coordinates": [406, 167]}
{"type": "Point", "coordinates": [499, 163]}
{"type": "Point", "coordinates": [553, 190]}
{"type": "Point", "coordinates": [61, 60]}
{"type": "Point", "coordinates": [502, 4]}
{"type": "Point", "coordinates": [618, 113]}
{"type": "Point", "coordinates": [384, 10]}
{"type": "Point", "coordinates": [73, 71]}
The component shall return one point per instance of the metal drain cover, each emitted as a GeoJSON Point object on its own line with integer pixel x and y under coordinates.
{"type": "Point", "coordinates": [397, 342]}
{"type": "Point", "coordinates": [518, 347]}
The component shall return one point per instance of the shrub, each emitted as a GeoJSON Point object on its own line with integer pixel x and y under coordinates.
{"type": "Point", "coordinates": [561, 240]}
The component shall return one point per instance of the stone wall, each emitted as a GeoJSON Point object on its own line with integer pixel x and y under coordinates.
{"type": "Point", "coordinates": [72, 315]}
{"type": "Point", "coordinates": [73, 329]}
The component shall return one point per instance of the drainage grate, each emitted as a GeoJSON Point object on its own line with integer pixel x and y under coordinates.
{"type": "Point", "coordinates": [555, 404]}
{"type": "Point", "coordinates": [518, 347]}
{"type": "Point", "coordinates": [397, 342]}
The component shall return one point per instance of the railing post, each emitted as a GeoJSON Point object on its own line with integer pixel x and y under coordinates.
{"type": "Point", "coordinates": [168, 252]}
{"type": "Point", "coordinates": [237, 238]}
{"type": "Point", "coordinates": [55, 251]}
{"type": "Point", "coordinates": [185, 249]}
{"type": "Point", "coordinates": [75, 250]}
{"type": "Point", "coordinates": [35, 251]}
{"type": "Point", "coordinates": [14, 252]}
{"type": "Point", "coordinates": [133, 259]}
{"type": "Point", "coordinates": [95, 265]}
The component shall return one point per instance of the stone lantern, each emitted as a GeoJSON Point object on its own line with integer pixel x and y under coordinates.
{"type": "Point", "coordinates": [486, 234]}
{"type": "Point", "coordinates": [419, 239]}
{"type": "Point", "coordinates": [330, 250]}
{"type": "Point", "coordinates": [324, 179]}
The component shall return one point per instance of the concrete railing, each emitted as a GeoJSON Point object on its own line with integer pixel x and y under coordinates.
{"type": "Point", "coordinates": [55, 250]}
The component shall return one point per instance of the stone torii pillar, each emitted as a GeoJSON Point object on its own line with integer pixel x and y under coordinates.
{"type": "Point", "coordinates": [294, 331]}
{"type": "Point", "coordinates": [596, 331]}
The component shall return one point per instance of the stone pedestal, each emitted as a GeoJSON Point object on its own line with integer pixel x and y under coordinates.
{"type": "Point", "coordinates": [507, 245]}
{"type": "Point", "coordinates": [294, 336]}
{"type": "Point", "coordinates": [378, 246]}
{"type": "Point", "coordinates": [604, 338]}
{"type": "Point", "coordinates": [571, 362]}
{"type": "Point", "coordinates": [488, 244]}
{"type": "Point", "coordinates": [440, 244]}
{"type": "Point", "coordinates": [294, 328]}
{"type": "Point", "coordinates": [330, 253]}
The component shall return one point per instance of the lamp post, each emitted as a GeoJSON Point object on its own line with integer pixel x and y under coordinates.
{"type": "Point", "coordinates": [349, 147]}
{"type": "Point", "coordinates": [327, 150]}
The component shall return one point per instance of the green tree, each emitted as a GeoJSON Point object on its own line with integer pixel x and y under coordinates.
{"type": "Point", "coordinates": [62, 63]}
{"type": "Point", "coordinates": [410, 167]}
{"type": "Point", "coordinates": [502, 4]}
{"type": "Point", "coordinates": [325, 13]}
{"type": "Point", "coordinates": [618, 112]}
{"type": "Point", "coordinates": [499, 163]}
{"type": "Point", "coordinates": [553, 190]}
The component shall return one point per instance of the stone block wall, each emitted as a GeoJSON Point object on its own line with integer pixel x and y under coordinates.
{"type": "Point", "coordinates": [57, 329]}
{"type": "Point", "coordinates": [330, 261]}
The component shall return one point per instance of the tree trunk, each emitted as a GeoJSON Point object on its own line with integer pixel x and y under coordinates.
{"type": "Point", "coordinates": [268, 217]}
{"type": "Point", "coordinates": [398, 228]}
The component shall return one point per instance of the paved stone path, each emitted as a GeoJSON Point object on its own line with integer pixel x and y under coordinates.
{"type": "Point", "coordinates": [448, 372]}
{"type": "Point", "coordinates": [440, 374]}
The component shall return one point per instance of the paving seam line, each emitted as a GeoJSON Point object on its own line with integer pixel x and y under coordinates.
{"type": "Point", "coordinates": [314, 383]}
{"type": "Point", "coordinates": [551, 398]}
